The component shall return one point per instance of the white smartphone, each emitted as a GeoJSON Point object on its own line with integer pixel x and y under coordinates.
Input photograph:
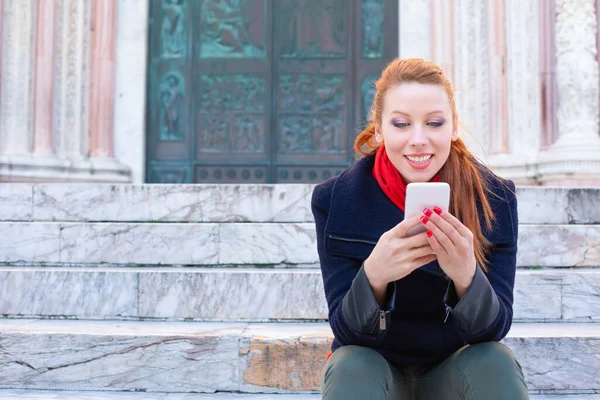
{"type": "Point", "coordinates": [421, 195]}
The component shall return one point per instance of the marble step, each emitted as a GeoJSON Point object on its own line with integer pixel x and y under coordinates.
{"type": "Point", "coordinates": [69, 395]}
{"type": "Point", "coordinates": [246, 358]}
{"type": "Point", "coordinates": [225, 244]}
{"type": "Point", "coordinates": [72, 395]}
{"type": "Point", "coordinates": [238, 203]}
{"type": "Point", "coordinates": [245, 294]}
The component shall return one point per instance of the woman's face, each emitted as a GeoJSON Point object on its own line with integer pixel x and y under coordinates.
{"type": "Point", "coordinates": [417, 129]}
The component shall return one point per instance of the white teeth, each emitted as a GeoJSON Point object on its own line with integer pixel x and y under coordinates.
{"type": "Point", "coordinates": [419, 160]}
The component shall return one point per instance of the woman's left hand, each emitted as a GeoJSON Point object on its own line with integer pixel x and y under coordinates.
{"type": "Point", "coordinates": [453, 245]}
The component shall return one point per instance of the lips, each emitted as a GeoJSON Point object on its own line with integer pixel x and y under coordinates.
{"type": "Point", "coordinates": [419, 161]}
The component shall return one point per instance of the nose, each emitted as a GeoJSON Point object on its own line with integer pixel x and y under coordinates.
{"type": "Point", "coordinates": [417, 137]}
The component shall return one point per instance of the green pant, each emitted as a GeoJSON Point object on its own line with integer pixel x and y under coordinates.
{"type": "Point", "coordinates": [484, 371]}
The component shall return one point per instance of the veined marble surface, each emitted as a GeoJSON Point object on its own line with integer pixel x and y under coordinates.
{"type": "Point", "coordinates": [243, 203]}
{"type": "Point", "coordinates": [73, 395]}
{"type": "Point", "coordinates": [267, 244]}
{"type": "Point", "coordinates": [81, 361]}
{"type": "Point", "coordinates": [538, 295]}
{"type": "Point", "coordinates": [559, 245]}
{"type": "Point", "coordinates": [29, 242]}
{"type": "Point", "coordinates": [244, 294]}
{"type": "Point", "coordinates": [173, 203]}
{"type": "Point", "coordinates": [581, 296]}
{"type": "Point", "coordinates": [139, 243]}
{"type": "Point", "coordinates": [67, 355]}
{"type": "Point", "coordinates": [242, 243]}
{"type": "Point", "coordinates": [16, 202]}
{"type": "Point", "coordinates": [63, 292]}
{"type": "Point", "coordinates": [229, 294]}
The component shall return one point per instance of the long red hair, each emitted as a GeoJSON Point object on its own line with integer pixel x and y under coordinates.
{"type": "Point", "coordinates": [461, 170]}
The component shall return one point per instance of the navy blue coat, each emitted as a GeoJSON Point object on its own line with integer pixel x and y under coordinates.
{"type": "Point", "coordinates": [423, 322]}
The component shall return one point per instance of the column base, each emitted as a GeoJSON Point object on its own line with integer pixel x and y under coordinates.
{"type": "Point", "coordinates": [50, 168]}
{"type": "Point", "coordinates": [510, 166]}
{"type": "Point", "coordinates": [570, 166]}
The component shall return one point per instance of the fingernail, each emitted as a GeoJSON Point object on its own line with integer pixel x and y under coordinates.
{"type": "Point", "coordinates": [427, 212]}
{"type": "Point", "coordinates": [437, 210]}
{"type": "Point", "coordinates": [429, 234]}
{"type": "Point", "coordinates": [424, 219]}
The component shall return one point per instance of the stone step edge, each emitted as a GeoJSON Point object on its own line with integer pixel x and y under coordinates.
{"type": "Point", "coordinates": [264, 330]}
{"type": "Point", "coordinates": [241, 268]}
{"type": "Point", "coordinates": [10, 394]}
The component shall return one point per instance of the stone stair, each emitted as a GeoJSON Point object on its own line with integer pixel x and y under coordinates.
{"type": "Point", "coordinates": [125, 292]}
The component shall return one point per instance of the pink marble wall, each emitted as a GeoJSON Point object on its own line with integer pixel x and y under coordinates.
{"type": "Point", "coordinates": [44, 78]}
{"type": "Point", "coordinates": [498, 106]}
{"type": "Point", "coordinates": [102, 77]}
{"type": "Point", "coordinates": [442, 35]}
{"type": "Point", "coordinates": [548, 73]}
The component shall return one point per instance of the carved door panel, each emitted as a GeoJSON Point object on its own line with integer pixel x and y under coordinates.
{"type": "Point", "coordinates": [261, 90]}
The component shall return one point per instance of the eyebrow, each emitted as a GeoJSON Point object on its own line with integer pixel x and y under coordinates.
{"type": "Point", "coordinates": [408, 115]}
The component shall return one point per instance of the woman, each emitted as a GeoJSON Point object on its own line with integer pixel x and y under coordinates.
{"type": "Point", "coordinates": [417, 317]}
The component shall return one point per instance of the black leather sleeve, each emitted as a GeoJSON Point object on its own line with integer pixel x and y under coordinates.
{"type": "Point", "coordinates": [477, 309]}
{"type": "Point", "coordinates": [361, 310]}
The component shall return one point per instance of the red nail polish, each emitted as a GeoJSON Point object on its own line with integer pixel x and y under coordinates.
{"type": "Point", "coordinates": [437, 210]}
{"type": "Point", "coordinates": [424, 219]}
{"type": "Point", "coordinates": [427, 212]}
{"type": "Point", "coordinates": [429, 234]}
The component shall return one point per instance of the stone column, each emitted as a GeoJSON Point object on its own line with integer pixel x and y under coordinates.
{"type": "Point", "coordinates": [16, 95]}
{"type": "Point", "coordinates": [471, 80]}
{"type": "Point", "coordinates": [102, 77]}
{"type": "Point", "coordinates": [44, 78]}
{"type": "Point", "coordinates": [442, 35]}
{"type": "Point", "coordinates": [575, 157]}
{"type": "Point", "coordinates": [523, 98]}
{"type": "Point", "coordinates": [415, 20]}
{"type": "Point", "coordinates": [130, 85]}
{"type": "Point", "coordinates": [71, 79]}
{"type": "Point", "coordinates": [498, 130]}
{"type": "Point", "coordinates": [102, 90]}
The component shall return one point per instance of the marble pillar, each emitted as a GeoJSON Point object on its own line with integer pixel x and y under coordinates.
{"type": "Point", "coordinates": [520, 136]}
{"type": "Point", "coordinates": [44, 75]}
{"type": "Point", "coordinates": [575, 157]}
{"type": "Point", "coordinates": [16, 104]}
{"type": "Point", "coordinates": [102, 89]}
{"type": "Point", "coordinates": [471, 79]}
{"type": "Point", "coordinates": [442, 35]}
{"type": "Point", "coordinates": [71, 82]}
{"type": "Point", "coordinates": [498, 130]}
{"type": "Point", "coordinates": [102, 78]}
{"type": "Point", "coordinates": [414, 26]}
{"type": "Point", "coordinates": [130, 85]}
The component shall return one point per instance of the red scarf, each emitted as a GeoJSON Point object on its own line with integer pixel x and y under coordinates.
{"type": "Point", "coordinates": [390, 180]}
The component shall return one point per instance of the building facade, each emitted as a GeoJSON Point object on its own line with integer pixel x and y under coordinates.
{"type": "Point", "coordinates": [247, 91]}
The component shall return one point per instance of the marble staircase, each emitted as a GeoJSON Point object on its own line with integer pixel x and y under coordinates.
{"type": "Point", "coordinates": [214, 292]}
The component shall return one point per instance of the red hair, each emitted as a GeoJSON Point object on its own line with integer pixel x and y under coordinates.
{"type": "Point", "coordinates": [461, 170]}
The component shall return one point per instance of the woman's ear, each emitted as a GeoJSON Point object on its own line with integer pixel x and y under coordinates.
{"type": "Point", "coordinates": [455, 132]}
{"type": "Point", "coordinates": [378, 135]}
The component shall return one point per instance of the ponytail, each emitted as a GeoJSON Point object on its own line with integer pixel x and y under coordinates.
{"type": "Point", "coordinates": [366, 139]}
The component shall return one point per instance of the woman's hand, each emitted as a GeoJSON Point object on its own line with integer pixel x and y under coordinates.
{"type": "Point", "coordinates": [453, 244]}
{"type": "Point", "coordinates": [396, 256]}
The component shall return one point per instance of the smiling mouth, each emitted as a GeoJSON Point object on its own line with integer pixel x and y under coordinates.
{"type": "Point", "coordinates": [420, 160]}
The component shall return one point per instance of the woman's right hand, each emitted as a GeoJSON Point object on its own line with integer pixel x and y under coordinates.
{"type": "Point", "coordinates": [396, 256]}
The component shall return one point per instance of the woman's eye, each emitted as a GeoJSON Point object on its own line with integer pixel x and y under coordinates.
{"type": "Point", "coordinates": [400, 124]}
{"type": "Point", "coordinates": [436, 124]}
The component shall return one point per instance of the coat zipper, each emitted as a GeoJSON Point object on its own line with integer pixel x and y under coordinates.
{"type": "Point", "coordinates": [448, 309]}
{"type": "Point", "coordinates": [382, 321]}
{"type": "Point", "coordinates": [352, 240]}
